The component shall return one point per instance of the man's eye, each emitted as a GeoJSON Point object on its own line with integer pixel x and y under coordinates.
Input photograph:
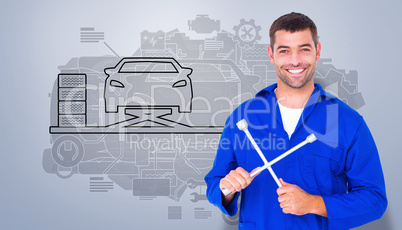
{"type": "Point", "coordinates": [283, 51]}
{"type": "Point", "coordinates": [306, 50]}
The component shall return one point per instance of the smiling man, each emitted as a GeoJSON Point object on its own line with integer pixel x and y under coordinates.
{"type": "Point", "coordinates": [334, 183]}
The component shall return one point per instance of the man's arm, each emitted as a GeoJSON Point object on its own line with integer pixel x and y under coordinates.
{"type": "Point", "coordinates": [365, 199]}
{"type": "Point", "coordinates": [225, 161]}
{"type": "Point", "coordinates": [363, 202]}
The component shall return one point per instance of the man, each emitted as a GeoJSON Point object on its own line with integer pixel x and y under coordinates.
{"type": "Point", "coordinates": [335, 182]}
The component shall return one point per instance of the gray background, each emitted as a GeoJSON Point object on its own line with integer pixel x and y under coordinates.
{"type": "Point", "coordinates": [39, 36]}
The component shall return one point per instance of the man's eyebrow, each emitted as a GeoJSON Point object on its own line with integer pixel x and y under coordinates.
{"type": "Point", "coordinates": [287, 47]}
{"type": "Point", "coordinates": [282, 47]}
{"type": "Point", "coordinates": [307, 44]}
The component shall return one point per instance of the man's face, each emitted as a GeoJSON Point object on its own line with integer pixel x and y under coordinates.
{"type": "Point", "coordinates": [294, 57]}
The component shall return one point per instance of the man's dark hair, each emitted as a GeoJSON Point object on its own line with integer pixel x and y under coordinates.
{"type": "Point", "coordinates": [293, 22]}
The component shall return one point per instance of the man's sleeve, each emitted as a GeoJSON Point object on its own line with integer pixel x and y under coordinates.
{"type": "Point", "coordinates": [225, 161]}
{"type": "Point", "coordinates": [366, 199]}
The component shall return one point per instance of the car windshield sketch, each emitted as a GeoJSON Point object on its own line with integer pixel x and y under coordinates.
{"type": "Point", "coordinates": [148, 82]}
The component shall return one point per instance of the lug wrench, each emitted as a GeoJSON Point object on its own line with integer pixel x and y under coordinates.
{"type": "Point", "coordinates": [243, 126]}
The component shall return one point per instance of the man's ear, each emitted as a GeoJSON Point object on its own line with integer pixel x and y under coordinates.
{"type": "Point", "coordinates": [318, 55]}
{"type": "Point", "coordinates": [271, 54]}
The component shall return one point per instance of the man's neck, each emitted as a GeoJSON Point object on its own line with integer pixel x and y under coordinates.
{"type": "Point", "coordinates": [294, 98]}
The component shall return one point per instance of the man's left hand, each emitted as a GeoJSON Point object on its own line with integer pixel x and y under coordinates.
{"type": "Point", "coordinates": [294, 200]}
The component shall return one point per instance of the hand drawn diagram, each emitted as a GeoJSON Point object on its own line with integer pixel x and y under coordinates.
{"type": "Point", "coordinates": [150, 123]}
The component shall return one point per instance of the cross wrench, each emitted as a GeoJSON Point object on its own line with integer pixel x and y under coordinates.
{"type": "Point", "coordinates": [243, 126]}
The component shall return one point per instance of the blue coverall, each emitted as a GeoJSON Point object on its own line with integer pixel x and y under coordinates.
{"type": "Point", "coordinates": [342, 166]}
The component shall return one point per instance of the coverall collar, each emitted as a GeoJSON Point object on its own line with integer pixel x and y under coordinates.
{"type": "Point", "coordinates": [317, 94]}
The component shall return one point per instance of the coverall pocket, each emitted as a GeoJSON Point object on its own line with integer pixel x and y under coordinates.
{"type": "Point", "coordinates": [321, 167]}
{"type": "Point", "coordinates": [247, 226]}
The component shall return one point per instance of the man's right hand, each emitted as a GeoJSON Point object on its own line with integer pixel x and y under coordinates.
{"type": "Point", "coordinates": [235, 181]}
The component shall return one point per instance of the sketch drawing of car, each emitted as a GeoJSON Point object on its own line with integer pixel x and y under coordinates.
{"type": "Point", "coordinates": [148, 82]}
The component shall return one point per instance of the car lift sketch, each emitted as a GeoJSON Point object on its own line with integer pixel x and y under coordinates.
{"type": "Point", "coordinates": [143, 119]}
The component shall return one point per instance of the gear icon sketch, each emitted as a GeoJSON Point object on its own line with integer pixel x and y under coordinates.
{"type": "Point", "coordinates": [247, 33]}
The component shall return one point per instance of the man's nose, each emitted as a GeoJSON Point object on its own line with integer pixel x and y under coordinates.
{"type": "Point", "coordinates": [295, 59]}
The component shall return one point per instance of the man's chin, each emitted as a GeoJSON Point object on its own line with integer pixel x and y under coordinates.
{"type": "Point", "coordinates": [297, 84]}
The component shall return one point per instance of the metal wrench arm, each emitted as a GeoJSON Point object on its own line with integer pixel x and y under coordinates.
{"type": "Point", "coordinates": [256, 146]}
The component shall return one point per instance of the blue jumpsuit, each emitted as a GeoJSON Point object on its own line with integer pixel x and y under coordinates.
{"type": "Point", "coordinates": [342, 166]}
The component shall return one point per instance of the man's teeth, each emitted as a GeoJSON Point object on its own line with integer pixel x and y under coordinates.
{"type": "Point", "coordinates": [295, 70]}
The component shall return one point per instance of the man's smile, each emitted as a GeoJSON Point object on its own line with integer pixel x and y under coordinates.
{"type": "Point", "coordinates": [296, 71]}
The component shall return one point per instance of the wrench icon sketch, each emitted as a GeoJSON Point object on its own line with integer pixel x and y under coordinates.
{"type": "Point", "coordinates": [198, 197]}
